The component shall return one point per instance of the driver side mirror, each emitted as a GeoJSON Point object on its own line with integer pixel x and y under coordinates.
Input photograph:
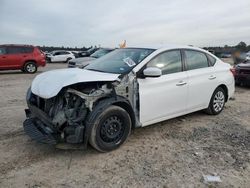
{"type": "Point", "coordinates": [152, 72]}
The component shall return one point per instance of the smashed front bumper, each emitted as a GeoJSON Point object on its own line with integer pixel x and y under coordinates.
{"type": "Point", "coordinates": [36, 130]}
{"type": "Point", "coordinates": [40, 127]}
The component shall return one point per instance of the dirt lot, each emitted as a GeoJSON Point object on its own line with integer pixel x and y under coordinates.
{"type": "Point", "coordinates": [174, 153]}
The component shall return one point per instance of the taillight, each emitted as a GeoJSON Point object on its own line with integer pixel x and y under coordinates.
{"type": "Point", "coordinates": [233, 71]}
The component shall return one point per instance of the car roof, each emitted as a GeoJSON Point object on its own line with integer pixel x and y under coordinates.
{"type": "Point", "coordinates": [166, 47]}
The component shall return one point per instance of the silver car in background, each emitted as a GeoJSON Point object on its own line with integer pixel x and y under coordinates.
{"type": "Point", "coordinates": [84, 61]}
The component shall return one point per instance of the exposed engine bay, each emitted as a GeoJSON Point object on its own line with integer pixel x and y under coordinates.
{"type": "Point", "coordinates": [63, 118]}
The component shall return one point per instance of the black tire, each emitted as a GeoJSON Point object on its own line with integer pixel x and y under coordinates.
{"type": "Point", "coordinates": [217, 102]}
{"type": "Point", "coordinates": [23, 70]}
{"type": "Point", "coordinates": [30, 67]}
{"type": "Point", "coordinates": [67, 61]}
{"type": "Point", "coordinates": [111, 129]}
{"type": "Point", "coordinates": [48, 60]}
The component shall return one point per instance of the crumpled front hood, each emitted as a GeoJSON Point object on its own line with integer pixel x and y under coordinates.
{"type": "Point", "coordinates": [49, 84]}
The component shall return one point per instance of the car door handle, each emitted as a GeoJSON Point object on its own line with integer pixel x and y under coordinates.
{"type": "Point", "coordinates": [212, 77]}
{"type": "Point", "coordinates": [181, 83]}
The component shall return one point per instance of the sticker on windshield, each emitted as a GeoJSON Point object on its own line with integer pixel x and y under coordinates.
{"type": "Point", "coordinates": [129, 62]}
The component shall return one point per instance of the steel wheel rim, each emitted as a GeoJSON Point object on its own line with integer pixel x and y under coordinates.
{"type": "Point", "coordinates": [112, 129]}
{"type": "Point", "coordinates": [30, 68]}
{"type": "Point", "coordinates": [219, 100]}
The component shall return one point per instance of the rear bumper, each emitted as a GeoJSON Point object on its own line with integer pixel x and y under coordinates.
{"type": "Point", "coordinates": [42, 62]}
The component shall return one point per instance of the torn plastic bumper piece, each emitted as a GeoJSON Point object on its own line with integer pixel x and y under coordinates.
{"type": "Point", "coordinates": [37, 131]}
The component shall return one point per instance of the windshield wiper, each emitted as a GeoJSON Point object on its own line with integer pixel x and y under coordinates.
{"type": "Point", "coordinates": [95, 70]}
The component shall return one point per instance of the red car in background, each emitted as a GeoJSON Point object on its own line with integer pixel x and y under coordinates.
{"type": "Point", "coordinates": [24, 57]}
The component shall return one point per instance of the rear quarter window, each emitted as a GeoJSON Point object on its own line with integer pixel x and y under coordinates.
{"type": "Point", "coordinates": [211, 59]}
{"type": "Point", "coordinates": [28, 49]}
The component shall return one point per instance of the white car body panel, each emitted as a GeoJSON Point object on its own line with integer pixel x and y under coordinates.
{"type": "Point", "coordinates": [61, 58]}
{"type": "Point", "coordinates": [201, 85]}
{"type": "Point", "coordinates": [157, 102]}
{"type": "Point", "coordinates": [49, 84]}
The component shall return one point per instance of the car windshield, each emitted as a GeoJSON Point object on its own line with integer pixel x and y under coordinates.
{"type": "Point", "coordinates": [100, 53]}
{"type": "Point", "coordinates": [120, 61]}
{"type": "Point", "coordinates": [90, 50]}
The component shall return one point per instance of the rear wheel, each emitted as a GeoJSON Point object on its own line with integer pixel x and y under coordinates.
{"type": "Point", "coordinates": [30, 67]}
{"type": "Point", "coordinates": [110, 129]}
{"type": "Point", "coordinates": [217, 102]}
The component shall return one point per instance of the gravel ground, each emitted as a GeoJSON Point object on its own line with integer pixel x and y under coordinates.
{"type": "Point", "coordinates": [174, 153]}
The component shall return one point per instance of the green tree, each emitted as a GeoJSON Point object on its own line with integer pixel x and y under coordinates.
{"type": "Point", "coordinates": [242, 46]}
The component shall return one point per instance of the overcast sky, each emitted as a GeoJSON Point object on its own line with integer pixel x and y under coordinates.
{"type": "Point", "coordinates": [108, 22]}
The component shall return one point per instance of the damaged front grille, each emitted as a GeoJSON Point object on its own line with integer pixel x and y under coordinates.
{"type": "Point", "coordinates": [38, 132]}
{"type": "Point", "coordinates": [65, 113]}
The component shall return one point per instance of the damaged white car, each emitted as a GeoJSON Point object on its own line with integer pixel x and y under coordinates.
{"type": "Point", "coordinates": [126, 89]}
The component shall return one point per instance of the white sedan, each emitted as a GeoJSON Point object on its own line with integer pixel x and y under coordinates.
{"type": "Point", "coordinates": [60, 56]}
{"type": "Point", "coordinates": [125, 89]}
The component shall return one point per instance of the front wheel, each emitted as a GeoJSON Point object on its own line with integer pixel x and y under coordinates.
{"type": "Point", "coordinates": [68, 59]}
{"type": "Point", "coordinates": [110, 129]}
{"type": "Point", "coordinates": [217, 102]}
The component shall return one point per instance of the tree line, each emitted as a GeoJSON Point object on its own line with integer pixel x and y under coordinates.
{"type": "Point", "coordinates": [242, 47]}
{"type": "Point", "coordinates": [52, 48]}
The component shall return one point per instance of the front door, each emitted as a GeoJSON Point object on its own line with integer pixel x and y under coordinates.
{"type": "Point", "coordinates": [163, 97]}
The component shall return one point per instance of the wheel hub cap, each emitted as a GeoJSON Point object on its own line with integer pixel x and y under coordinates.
{"type": "Point", "coordinates": [112, 129]}
{"type": "Point", "coordinates": [219, 100]}
{"type": "Point", "coordinates": [31, 68]}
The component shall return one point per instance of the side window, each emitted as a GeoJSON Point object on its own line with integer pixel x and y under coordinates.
{"type": "Point", "coordinates": [169, 62]}
{"type": "Point", "coordinates": [2, 50]}
{"type": "Point", "coordinates": [211, 59]}
{"type": "Point", "coordinates": [63, 53]}
{"type": "Point", "coordinates": [15, 50]}
{"type": "Point", "coordinates": [195, 60]}
{"type": "Point", "coordinates": [27, 49]}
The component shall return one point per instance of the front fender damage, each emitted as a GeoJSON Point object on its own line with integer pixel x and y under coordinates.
{"type": "Point", "coordinates": [65, 118]}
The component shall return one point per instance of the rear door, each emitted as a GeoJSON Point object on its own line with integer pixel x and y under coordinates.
{"type": "Point", "coordinates": [163, 97]}
{"type": "Point", "coordinates": [66, 55]}
{"type": "Point", "coordinates": [201, 78]}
